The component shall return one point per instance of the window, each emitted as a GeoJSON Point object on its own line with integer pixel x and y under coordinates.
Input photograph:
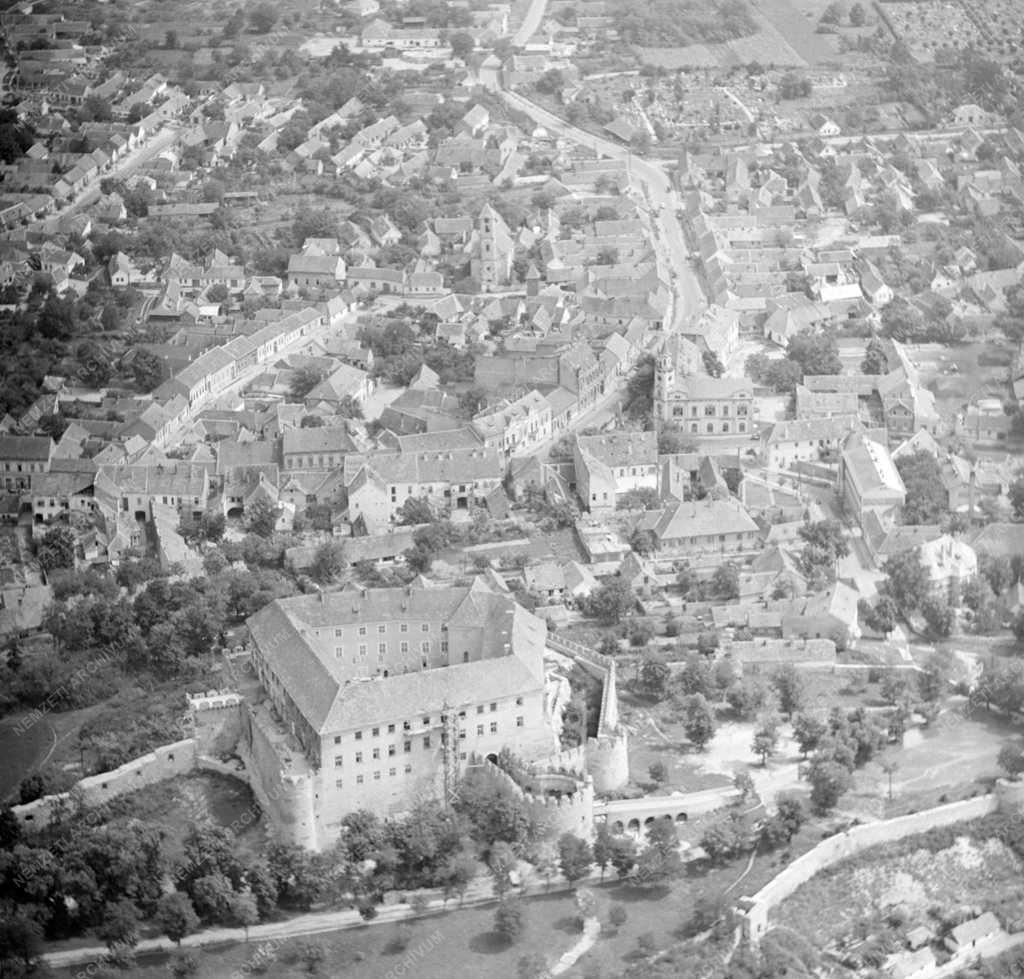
{"type": "Point", "coordinates": [381, 629]}
{"type": "Point", "coordinates": [392, 750]}
{"type": "Point", "coordinates": [711, 427]}
{"type": "Point", "coordinates": [376, 776]}
{"type": "Point", "coordinates": [444, 645]}
{"type": "Point", "coordinates": [494, 707]}
{"type": "Point", "coordinates": [382, 648]}
{"type": "Point", "coordinates": [479, 708]}
{"type": "Point", "coordinates": [494, 727]}
{"type": "Point", "coordinates": [376, 732]}
{"type": "Point", "coordinates": [479, 730]}
{"type": "Point", "coordinates": [709, 411]}
{"type": "Point", "coordinates": [519, 701]}
{"type": "Point", "coordinates": [404, 627]}
{"type": "Point", "coordinates": [519, 722]}
{"type": "Point", "coordinates": [359, 735]}
{"type": "Point", "coordinates": [426, 741]}
{"type": "Point", "coordinates": [359, 780]}
{"type": "Point", "coordinates": [376, 754]}
{"type": "Point", "coordinates": [406, 726]}
{"type": "Point", "coordinates": [337, 783]}
{"type": "Point", "coordinates": [359, 757]}
{"type": "Point", "coordinates": [426, 721]}
{"type": "Point", "coordinates": [408, 769]}
{"type": "Point", "coordinates": [392, 772]}
{"type": "Point", "coordinates": [362, 649]}
{"type": "Point", "coordinates": [362, 630]}
{"type": "Point", "coordinates": [425, 646]}
{"type": "Point", "coordinates": [407, 746]}
{"type": "Point", "coordinates": [462, 734]}
{"type": "Point", "coordinates": [425, 627]}
{"type": "Point", "coordinates": [403, 647]}
{"type": "Point", "coordinates": [337, 739]}
{"type": "Point", "coordinates": [391, 729]}
{"type": "Point", "coordinates": [337, 633]}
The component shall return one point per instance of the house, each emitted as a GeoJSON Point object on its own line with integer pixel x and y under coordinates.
{"type": "Point", "coordinates": [829, 615]}
{"type": "Point", "coordinates": [951, 563]}
{"type": "Point", "coordinates": [766, 655]}
{"type": "Point", "coordinates": [516, 427]}
{"type": "Point", "coordinates": [805, 439]}
{"type": "Point", "coordinates": [869, 480]}
{"type": "Point", "coordinates": [458, 479]}
{"type": "Point", "coordinates": [343, 382]}
{"type": "Point", "coordinates": [316, 271]}
{"type": "Point", "coordinates": [911, 965]}
{"type": "Point", "coordinates": [965, 937]}
{"type": "Point", "coordinates": [700, 528]}
{"type": "Point", "coordinates": [611, 464]}
{"type": "Point", "coordinates": [21, 457]}
{"type": "Point", "coordinates": [315, 449]}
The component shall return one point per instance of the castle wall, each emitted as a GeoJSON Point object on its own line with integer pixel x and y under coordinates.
{"type": "Point", "coordinates": [164, 762]}
{"type": "Point", "coordinates": [286, 797]}
{"type": "Point", "coordinates": [843, 845]}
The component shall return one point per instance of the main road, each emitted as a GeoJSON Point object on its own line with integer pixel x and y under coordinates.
{"type": "Point", "coordinates": [656, 186]}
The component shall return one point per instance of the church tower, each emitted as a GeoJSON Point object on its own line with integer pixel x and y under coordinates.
{"type": "Point", "coordinates": [664, 381]}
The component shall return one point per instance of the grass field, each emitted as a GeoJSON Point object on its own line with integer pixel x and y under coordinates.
{"type": "Point", "coordinates": [21, 753]}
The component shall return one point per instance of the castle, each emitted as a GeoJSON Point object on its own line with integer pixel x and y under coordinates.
{"type": "Point", "coordinates": [376, 698]}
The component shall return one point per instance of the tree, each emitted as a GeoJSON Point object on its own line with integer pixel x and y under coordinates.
{"type": "Point", "coordinates": [766, 738]}
{"type": "Point", "coordinates": [833, 14]}
{"type": "Point", "coordinates": [604, 845]}
{"type": "Point", "coordinates": [263, 17]}
{"type": "Point", "coordinates": [623, 855]}
{"type": "Point", "coordinates": [808, 732]}
{"type": "Point", "coordinates": [906, 580]}
{"type": "Point", "coordinates": [119, 929]}
{"type": "Point", "coordinates": [659, 860]}
{"type": "Point", "coordinates": [21, 938]}
{"type": "Point", "coordinates": [829, 780]}
{"type": "Point", "coordinates": [927, 501]}
{"type": "Point", "coordinates": [575, 857]}
{"type": "Point", "coordinates": [415, 510]}
{"type": "Point", "coordinates": [724, 838]}
{"type": "Point", "coordinates": [303, 381]}
{"type": "Point", "coordinates": [658, 772]}
{"type": "Point", "coordinates": [672, 440]}
{"type": "Point", "coordinates": [261, 517]}
{"type": "Point", "coordinates": [328, 562]}
{"type": "Point", "coordinates": [472, 401]}
{"type": "Point", "coordinates": [176, 916]}
{"type": "Point", "coordinates": [218, 293]}
{"type": "Point", "coordinates": [815, 353]}
{"type": "Point", "coordinates": [643, 498]}
{"type": "Point", "coordinates": [876, 360]}
{"type": "Point", "coordinates": [938, 615]}
{"type": "Point", "coordinates": [510, 920]}
{"type": "Point", "coordinates": [713, 364]}
{"type": "Point", "coordinates": [611, 601]}
{"type": "Point", "coordinates": [1016, 494]}
{"type": "Point", "coordinates": [147, 370]}
{"type": "Point", "coordinates": [57, 549]}
{"type": "Point", "coordinates": [654, 677]}
{"type": "Point", "coordinates": [1011, 760]}
{"type": "Point", "coordinates": [858, 16]}
{"type": "Point", "coordinates": [725, 582]}
{"type": "Point", "coordinates": [895, 686]}
{"type": "Point", "coordinates": [617, 916]}
{"type": "Point", "coordinates": [242, 912]}
{"type": "Point", "coordinates": [790, 686]}
{"type": "Point", "coordinates": [698, 720]}
{"type": "Point", "coordinates": [462, 44]}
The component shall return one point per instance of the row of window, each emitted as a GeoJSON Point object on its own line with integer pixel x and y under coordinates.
{"type": "Point", "coordinates": [382, 629]}
{"type": "Point", "coordinates": [375, 753]}
{"type": "Point", "coordinates": [710, 411]}
{"type": "Point", "coordinates": [740, 427]}
{"type": "Point", "coordinates": [407, 725]}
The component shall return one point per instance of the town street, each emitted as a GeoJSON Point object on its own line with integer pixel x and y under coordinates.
{"type": "Point", "coordinates": [655, 183]}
